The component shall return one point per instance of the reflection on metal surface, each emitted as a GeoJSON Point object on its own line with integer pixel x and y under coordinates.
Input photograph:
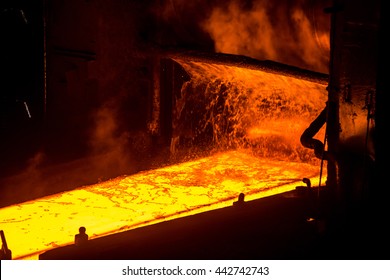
{"type": "Point", "coordinates": [146, 198]}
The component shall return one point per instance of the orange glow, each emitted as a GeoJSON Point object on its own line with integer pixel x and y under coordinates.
{"type": "Point", "coordinates": [146, 198]}
{"type": "Point", "coordinates": [255, 118]}
{"type": "Point", "coordinates": [243, 107]}
{"type": "Point", "coordinates": [285, 32]}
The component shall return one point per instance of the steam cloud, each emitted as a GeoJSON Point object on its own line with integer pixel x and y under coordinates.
{"type": "Point", "coordinates": [290, 32]}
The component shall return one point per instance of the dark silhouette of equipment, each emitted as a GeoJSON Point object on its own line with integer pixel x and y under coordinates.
{"type": "Point", "coordinates": [5, 253]}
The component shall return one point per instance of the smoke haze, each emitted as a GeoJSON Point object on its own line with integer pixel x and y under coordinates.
{"type": "Point", "coordinates": [291, 32]}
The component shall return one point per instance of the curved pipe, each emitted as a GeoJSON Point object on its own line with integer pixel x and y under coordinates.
{"type": "Point", "coordinates": [307, 139]}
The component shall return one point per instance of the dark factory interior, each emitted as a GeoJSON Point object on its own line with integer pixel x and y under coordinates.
{"type": "Point", "coordinates": [95, 89]}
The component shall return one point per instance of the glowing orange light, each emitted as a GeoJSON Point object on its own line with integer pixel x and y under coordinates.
{"type": "Point", "coordinates": [260, 31]}
{"type": "Point", "coordinates": [146, 198]}
{"type": "Point", "coordinates": [255, 119]}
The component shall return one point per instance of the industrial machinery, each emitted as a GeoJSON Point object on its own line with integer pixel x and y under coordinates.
{"type": "Point", "coordinates": [170, 118]}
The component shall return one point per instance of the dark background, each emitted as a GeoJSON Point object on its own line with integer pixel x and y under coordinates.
{"type": "Point", "coordinates": [85, 71]}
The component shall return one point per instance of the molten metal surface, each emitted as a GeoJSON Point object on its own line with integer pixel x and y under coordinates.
{"type": "Point", "coordinates": [231, 106]}
{"type": "Point", "coordinates": [253, 119]}
{"type": "Point", "coordinates": [145, 198]}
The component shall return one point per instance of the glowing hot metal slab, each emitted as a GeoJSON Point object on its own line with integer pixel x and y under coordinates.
{"type": "Point", "coordinates": [146, 198]}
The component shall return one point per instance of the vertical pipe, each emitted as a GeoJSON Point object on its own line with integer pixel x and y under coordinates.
{"type": "Point", "coordinates": [332, 118]}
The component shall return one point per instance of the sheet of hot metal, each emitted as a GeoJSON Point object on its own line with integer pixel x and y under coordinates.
{"type": "Point", "coordinates": [145, 198]}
